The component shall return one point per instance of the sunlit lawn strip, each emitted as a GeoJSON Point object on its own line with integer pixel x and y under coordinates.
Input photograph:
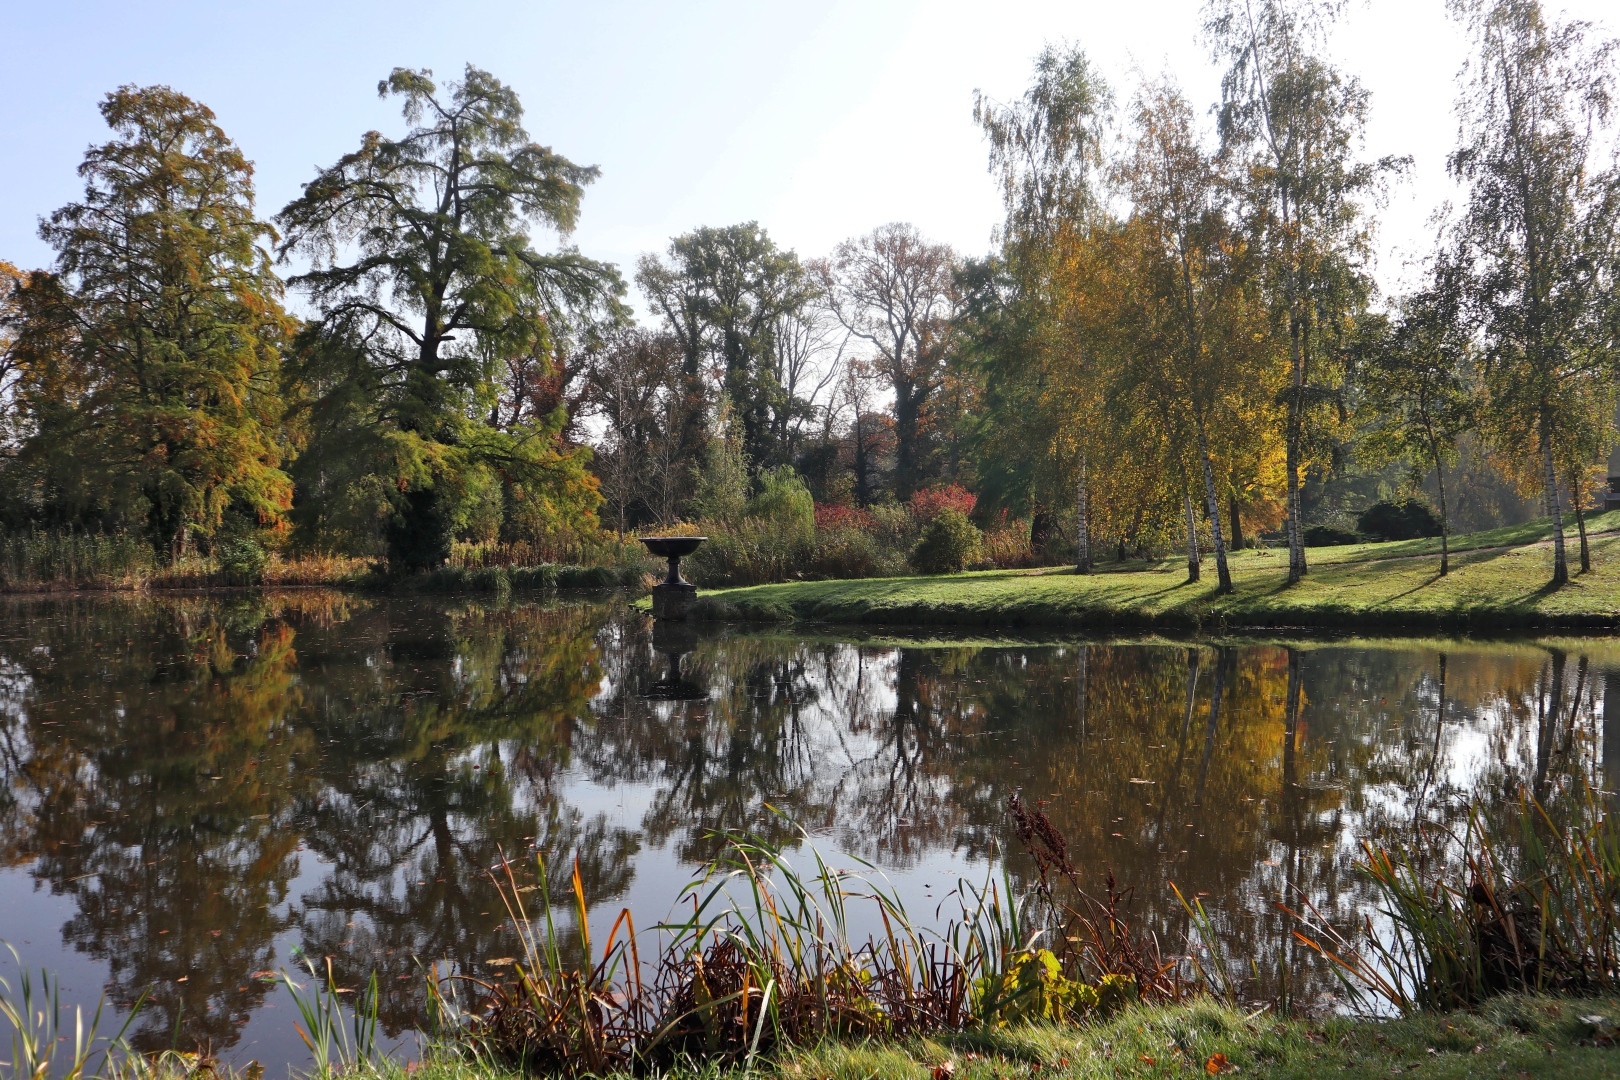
{"type": "Point", "coordinates": [1498, 581]}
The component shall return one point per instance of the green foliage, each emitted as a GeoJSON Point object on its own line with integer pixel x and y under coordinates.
{"type": "Point", "coordinates": [785, 503]}
{"type": "Point", "coordinates": [727, 295]}
{"type": "Point", "coordinates": [397, 375]}
{"type": "Point", "coordinates": [722, 488]}
{"type": "Point", "coordinates": [242, 559]}
{"type": "Point", "coordinates": [148, 394]}
{"type": "Point", "coordinates": [1034, 989]}
{"type": "Point", "coordinates": [1406, 520]}
{"type": "Point", "coordinates": [949, 544]}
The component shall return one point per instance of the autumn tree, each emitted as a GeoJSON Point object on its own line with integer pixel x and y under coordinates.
{"type": "Point", "coordinates": [724, 293]}
{"type": "Point", "coordinates": [424, 274]}
{"type": "Point", "coordinates": [634, 390]}
{"type": "Point", "coordinates": [895, 292]}
{"type": "Point", "coordinates": [1419, 394]}
{"type": "Point", "coordinates": [1535, 243]}
{"type": "Point", "coordinates": [1187, 310]}
{"type": "Point", "coordinates": [1027, 330]}
{"type": "Point", "coordinates": [146, 366]}
{"type": "Point", "coordinates": [1292, 124]}
{"type": "Point", "coordinates": [11, 363]}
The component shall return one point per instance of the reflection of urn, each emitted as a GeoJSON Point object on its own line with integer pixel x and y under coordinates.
{"type": "Point", "coordinates": [673, 597]}
{"type": "Point", "coordinates": [674, 640]}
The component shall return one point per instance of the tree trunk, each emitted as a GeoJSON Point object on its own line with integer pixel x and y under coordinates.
{"type": "Point", "coordinates": [1296, 532]}
{"type": "Point", "coordinates": [1560, 559]}
{"type": "Point", "coordinates": [1192, 539]}
{"type": "Point", "coordinates": [1082, 560]}
{"type": "Point", "coordinates": [1445, 522]}
{"type": "Point", "coordinates": [1223, 575]}
{"type": "Point", "coordinates": [1237, 524]}
{"type": "Point", "coordinates": [1580, 525]}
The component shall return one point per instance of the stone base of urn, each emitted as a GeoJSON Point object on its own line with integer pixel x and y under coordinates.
{"type": "Point", "coordinates": [671, 600]}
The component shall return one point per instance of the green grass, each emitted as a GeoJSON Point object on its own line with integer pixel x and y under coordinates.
{"type": "Point", "coordinates": [1498, 580]}
{"type": "Point", "coordinates": [1510, 1037]}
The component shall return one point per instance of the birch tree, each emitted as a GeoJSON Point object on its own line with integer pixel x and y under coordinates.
{"type": "Point", "coordinates": [1535, 242]}
{"type": "Point", "coordinates": [1293, 123]}
{"type": "Point", "coordinates": [1046, 151]}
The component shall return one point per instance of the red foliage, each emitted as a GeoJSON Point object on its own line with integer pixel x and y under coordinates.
{"type": "Point", "coordinates": [839, 516]}
{"type": "Point", "coordinates": [926, 505]}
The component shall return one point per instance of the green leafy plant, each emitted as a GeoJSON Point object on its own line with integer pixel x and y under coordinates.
{"type": "Point", "coordinates": [949, 543]}
{"type": "Point", "coordinates": [39, 1033]}
{"type": "Point", "coordinates": [324, 1030]}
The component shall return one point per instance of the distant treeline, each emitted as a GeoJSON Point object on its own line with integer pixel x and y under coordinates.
{"type": "Point", "coordinates": [1176, 341]}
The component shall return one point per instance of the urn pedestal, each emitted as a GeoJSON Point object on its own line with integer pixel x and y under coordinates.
{"type": "Point", "coordinates": [673, 600]}
{"type": "Point", "coordinates": [673, 597]}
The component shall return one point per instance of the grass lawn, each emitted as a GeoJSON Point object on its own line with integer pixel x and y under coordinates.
{"type": "Point", "coordinates": [1498, 580]}
{"type": "Point", "coordinates": [1509, 1038]}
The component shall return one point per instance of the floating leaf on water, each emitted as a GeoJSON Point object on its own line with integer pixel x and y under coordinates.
{"type": "Point", "coordinates": [500, 961]}
{"type": "Point", "coordinates": [1139, 780]}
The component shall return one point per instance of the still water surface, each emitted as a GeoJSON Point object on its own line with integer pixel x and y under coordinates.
{"type": "Point", "coordinates": [192, 786]}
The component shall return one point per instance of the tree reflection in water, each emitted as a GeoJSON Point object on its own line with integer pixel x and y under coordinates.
{"type": "Point", "coordinates": [202, 776]}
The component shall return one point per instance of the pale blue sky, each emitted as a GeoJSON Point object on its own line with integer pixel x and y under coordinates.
{"type": "Point", "coordinates": [820, 121]}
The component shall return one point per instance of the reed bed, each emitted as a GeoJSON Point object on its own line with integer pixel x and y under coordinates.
{"type": "Point", "coordinates": [764, 958]}
{"type": "Point", "coordinates": [51, 560]}
{"type": "Point", "coordinates": [1522, 902]}
{"type": "Point", "coordinates": [48, 561]}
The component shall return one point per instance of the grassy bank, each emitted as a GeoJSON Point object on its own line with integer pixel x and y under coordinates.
{"type": "Point", "coordinates": [1512, 1037]}
{"type": "Point", "coordinates": [1498, 580]}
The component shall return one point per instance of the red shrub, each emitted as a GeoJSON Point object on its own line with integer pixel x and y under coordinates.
{"type": "Point", "coordinates": [838, 516]}
{"type": "Point", "coordinates": [926, 505]}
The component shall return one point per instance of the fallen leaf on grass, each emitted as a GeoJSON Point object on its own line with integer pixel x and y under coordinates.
{"type": "Point", "coordinates": [943, 1071]}
{"type": "Point", "coordinates": [1218, 1064]}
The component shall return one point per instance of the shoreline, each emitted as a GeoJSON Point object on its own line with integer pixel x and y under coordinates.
{"type": "Point", "coordinates": [1497, 584]}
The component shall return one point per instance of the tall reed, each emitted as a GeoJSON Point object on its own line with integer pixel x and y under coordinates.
{"type": "Point", "coordinates": [73, 560]}
{"type": "Point", "coordinates": [1524, 903]}
{"type": "Point", "coordinates": [764, 954]}
{"type": "Point", "coordinates": [39, 1033]}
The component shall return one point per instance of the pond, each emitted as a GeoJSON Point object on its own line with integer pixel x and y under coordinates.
{"type": "Point", "coordinates": [193, 786]}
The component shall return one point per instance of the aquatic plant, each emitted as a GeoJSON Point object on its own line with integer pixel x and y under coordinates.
{"type": "Point", "coordinates": [764, 957]}
{"type": "Point", "coordinates": [39, 1034]}
{"type": "Point", "coordinates": [1521, 903]}
{"type": "Point", "coordinates": [324, 1032]}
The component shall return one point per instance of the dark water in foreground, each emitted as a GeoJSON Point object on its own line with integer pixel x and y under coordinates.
{"type": "Point", "coordinates": [191, 786]}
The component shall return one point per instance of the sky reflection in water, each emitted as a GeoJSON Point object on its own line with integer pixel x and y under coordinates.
{"type": "Point", "coordinates": [193, 784]}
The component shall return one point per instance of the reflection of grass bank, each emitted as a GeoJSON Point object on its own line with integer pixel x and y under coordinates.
{"type": "Point", "coordinates": [46, 564]}
{"type": "Point", "coordinates": [1498, 580]}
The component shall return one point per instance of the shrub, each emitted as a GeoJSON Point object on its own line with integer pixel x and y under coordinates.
{"type": "Point", "coordinates": [927, 505]}
{"type": "Point", "coordinates": [1406, 520]}
{"type": "Point", "coordinates": [837, 516]}
{"type": "Point", "coordinates": [852, 552]}
{"type": "Point", "coordinates": [785, 503]}
{"type": "Point", "coordinates": [242, 560]}
{"type": "Point", "coordinates": [949, 543]}
{"type": "Point", "coordinates": [1330, 536]}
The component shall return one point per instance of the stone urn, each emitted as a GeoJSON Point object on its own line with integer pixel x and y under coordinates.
{"type": "Point", "coordinates": [673, 597]}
